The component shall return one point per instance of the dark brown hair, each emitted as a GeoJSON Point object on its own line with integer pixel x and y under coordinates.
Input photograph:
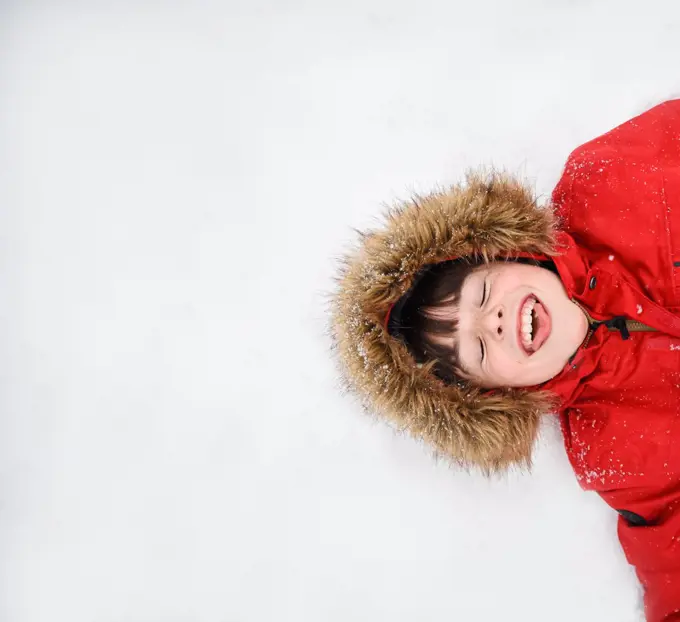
{"type": "Point", "coordinates": [415, 321]}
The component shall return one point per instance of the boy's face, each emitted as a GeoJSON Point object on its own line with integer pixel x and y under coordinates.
{"type": "Point", "coordinates": [516, 325]}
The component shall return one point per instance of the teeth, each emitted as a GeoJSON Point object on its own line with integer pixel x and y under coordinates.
{"type": "Point", "coordinates": [526, 316]}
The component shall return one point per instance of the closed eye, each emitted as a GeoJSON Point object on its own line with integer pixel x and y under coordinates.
{"type": "Point", "coordinates": [481, 347]}
{"type": "Point", "coordinates": [481, 304]}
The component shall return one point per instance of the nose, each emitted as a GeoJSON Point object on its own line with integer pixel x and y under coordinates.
{"type": "Point", "coordinates": [494, 323]}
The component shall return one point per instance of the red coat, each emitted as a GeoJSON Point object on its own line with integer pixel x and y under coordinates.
{"type": "Point", "coordinates": [619, 198]}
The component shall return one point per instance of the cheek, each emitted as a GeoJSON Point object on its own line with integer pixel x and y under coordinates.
{"type": "Point", "coordinates": [514, 281]}
{"type": "Point", "coordinates": [504, 367]}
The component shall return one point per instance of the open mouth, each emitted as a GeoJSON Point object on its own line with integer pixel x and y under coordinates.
{"type": "Point", "coordinates": [533, 325]}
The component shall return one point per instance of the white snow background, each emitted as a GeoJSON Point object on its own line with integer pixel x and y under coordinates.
{"type": "Point", "coordinates": [176, 182]}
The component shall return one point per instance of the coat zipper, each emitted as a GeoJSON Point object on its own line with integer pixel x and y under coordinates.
{"type": "Point", "coordinates": [632, 325]}
{"type": "Point", "coordinates": [591, 326]}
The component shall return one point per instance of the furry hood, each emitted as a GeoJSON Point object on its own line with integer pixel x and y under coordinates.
{"type": "Point", "coordinates": [492, 216]}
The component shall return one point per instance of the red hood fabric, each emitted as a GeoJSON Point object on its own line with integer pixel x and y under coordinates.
{"type": "Point", "coordinates": [619, 202]}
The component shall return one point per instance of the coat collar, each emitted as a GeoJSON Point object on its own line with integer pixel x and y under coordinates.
{"type": "Point", "coordinates": [605, 289]}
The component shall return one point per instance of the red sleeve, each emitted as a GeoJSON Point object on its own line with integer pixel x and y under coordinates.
{"type": "Point", "coordinates": [649, 531]}
{"type": "Point", "coordinates": [650, 141]}
{"type": "Point", "coordinates": [653, 136]}
{"type": "Point", "coordinates": [620, 195]}
{"type": "Point", "coordinates": [630, 457]}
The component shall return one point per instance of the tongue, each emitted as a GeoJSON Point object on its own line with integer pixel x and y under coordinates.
{"type": "Point", "coordinates": [543, 328]}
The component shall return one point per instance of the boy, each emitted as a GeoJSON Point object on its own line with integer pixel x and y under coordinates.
{"type": "Point", "coordinates": [473, 312]}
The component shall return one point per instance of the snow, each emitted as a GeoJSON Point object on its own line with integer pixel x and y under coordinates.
{"type": "Point", "coordinates": [176, 180]}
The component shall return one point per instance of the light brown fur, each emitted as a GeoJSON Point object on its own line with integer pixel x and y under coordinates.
{"type": "Point", "coordinates": [491, 215]}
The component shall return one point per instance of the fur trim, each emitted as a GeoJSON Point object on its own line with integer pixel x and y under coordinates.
{"type": "Point", "coordinates": [490, 215]}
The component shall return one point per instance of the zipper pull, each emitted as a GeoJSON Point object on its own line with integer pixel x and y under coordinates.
{"type": "Point", "coordinates": [618, 323]}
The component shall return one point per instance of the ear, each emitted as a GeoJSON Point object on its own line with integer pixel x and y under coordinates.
{"type": "Point", "coordinates": [464, 375]}
{"type": "Point", "coordinates": [470, 379]}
